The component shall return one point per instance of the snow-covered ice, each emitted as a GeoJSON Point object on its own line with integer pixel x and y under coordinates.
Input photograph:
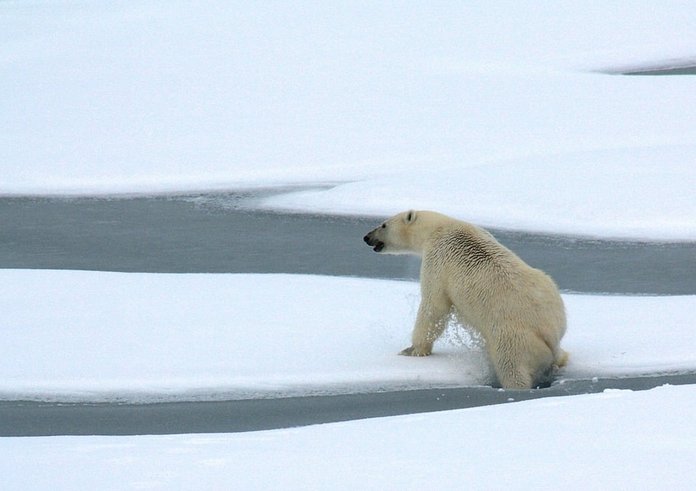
{"type": "Point", "coordinates": [613, 440]}
{"type": "Point", "coordinates": [637, 193]}
{"type": "Point", "coordinates": [510, 106]}
{"type": "Point", "coordinates": [506, 114]}
{"type": "Point", "coordinates": [100, 336]}
{"type": "Point", "coordinates": [73, 335]}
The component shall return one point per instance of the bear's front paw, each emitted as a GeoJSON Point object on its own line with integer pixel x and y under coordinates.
{"type": "Point", "coordinates": [413, 351]}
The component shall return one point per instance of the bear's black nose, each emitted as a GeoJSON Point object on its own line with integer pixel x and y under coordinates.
{"type": "Point", "coordinates": [366, 238]}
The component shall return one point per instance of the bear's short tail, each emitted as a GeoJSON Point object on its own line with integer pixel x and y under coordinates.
{"type": "Point", "coordinates": [561, 359]}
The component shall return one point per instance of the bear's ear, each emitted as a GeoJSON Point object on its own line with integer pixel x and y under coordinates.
{"type": "Point", "coordinates": [410, 216]}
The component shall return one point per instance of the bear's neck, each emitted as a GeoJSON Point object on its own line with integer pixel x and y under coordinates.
{"type": "Point", "coordinates": [424, 238]}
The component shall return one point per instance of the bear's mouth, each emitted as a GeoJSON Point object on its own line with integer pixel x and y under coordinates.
{"type": "Point", "coordinates": [377, 245]}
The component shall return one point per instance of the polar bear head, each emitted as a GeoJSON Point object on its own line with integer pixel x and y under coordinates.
{"type": "Point", "coordinates": [398, 235]}
{"type": "Point", "coordinates": [407, 232]}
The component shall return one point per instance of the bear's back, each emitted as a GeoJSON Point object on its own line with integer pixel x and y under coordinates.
{"type": "Point", "coordinates": [469, 247]}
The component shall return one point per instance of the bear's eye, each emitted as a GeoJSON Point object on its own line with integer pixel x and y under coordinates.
{"type": "Point", "coordinates": [384, 225]}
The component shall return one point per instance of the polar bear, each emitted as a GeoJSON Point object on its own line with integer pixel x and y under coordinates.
{"type": "Point", "coordinates": [517, 309]}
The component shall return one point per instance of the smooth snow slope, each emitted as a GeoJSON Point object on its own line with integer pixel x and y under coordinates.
{"type": "Point", "coordinates": [614, 440]}
{"type": "Point", "coordinates": [141, 337]}
{"type": "Point", "coordinates": [507, 104]}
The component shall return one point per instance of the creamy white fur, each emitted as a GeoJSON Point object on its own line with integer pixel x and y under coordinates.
{"type": "Point", "coordinates": [516, 308]}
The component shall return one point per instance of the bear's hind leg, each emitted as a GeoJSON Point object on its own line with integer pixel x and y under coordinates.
{"type": "Point", "coordinates": [522, 362]}
{"type": "Point", "coordinates": [514, 378]}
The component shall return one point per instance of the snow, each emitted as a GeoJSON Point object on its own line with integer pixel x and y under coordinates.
{"type": "Point", "coordinates": [617, 439]}
{"type": "Point", "coordinates": [95, 336]}
{"type": "Point", "coordinates": [641, 193]}
{"type": "Point", "coordinates": [508, 114]}
{"type": "Point", "coordinates": [515, 103]}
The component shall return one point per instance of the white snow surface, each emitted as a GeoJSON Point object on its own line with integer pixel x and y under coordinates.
{"type": "Point", "coordinates": [620, 194]}
{"type": "Point", "coordinates": [613, 440]}
{"type": "Point", "coordinates": [507, 114]}
{"type": "Point", "coordinates": [94, 336]}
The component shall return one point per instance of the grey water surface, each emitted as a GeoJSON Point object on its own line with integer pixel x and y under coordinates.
{"type": "Point", "coordinates": [668, 70]}
{"type": "Point", "coordinates": [218, 234]}
{"type": "Point", "coordinates": [225, 233]}
{"type": "Point", "coordinates": [19, 418]}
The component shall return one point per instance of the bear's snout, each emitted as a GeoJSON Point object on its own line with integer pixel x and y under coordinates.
{"type": "Point", "coordinates": [376, 244]}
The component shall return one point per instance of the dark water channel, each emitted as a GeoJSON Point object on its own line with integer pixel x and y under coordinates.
{"type": "Point", "coordinates": [19, 418]}
{"type": "Point", "coordinates": [661, 71]}
{"type": "Point", "coordinates": [224, 234]}
{"type": "Point", "coordinates": [218, 234]}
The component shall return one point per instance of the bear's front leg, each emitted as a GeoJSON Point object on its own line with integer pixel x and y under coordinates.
{"type": "Point", "coordinates": [430, 323]}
